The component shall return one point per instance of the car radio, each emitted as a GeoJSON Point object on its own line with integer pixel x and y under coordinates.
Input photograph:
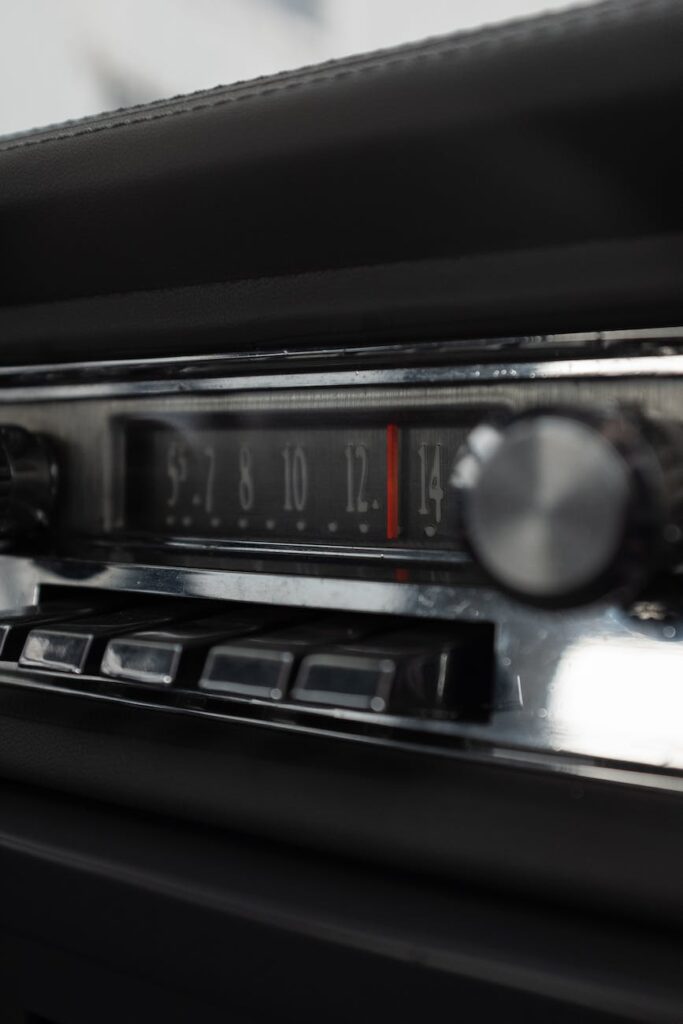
{"type": "Point", "coordinates": [480, 553]}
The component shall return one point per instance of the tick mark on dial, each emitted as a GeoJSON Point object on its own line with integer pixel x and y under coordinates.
{"type": "Point", "coordinates": [243, 522]}
{"type": "Point", "coordinates": [333, 527]}
{"type": "Point", "coordinates": [363, 527]}
{"type": "Point", "coordinates": [301, 525]}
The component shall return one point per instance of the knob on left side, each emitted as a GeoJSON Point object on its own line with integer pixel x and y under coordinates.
{"type": "Point", "coordinates": [28, 481]}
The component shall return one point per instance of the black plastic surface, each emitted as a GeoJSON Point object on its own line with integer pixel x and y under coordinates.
{"type": "Point", "coordinates": [517, 178]}
{"type": "Point", "coordinates": [125, 916]}
{"type": "Point", "coordinates": [599, 842]}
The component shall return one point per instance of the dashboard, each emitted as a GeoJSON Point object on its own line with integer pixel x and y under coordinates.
{"type": "Point", "coordinates": [340, 604]}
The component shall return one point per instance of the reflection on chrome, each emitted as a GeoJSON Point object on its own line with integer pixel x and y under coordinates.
{"type": "Point", "coordinates": [620, 699]}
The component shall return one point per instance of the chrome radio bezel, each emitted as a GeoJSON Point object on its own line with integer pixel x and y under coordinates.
{"type": "Point", "coordinates": [531, 645]}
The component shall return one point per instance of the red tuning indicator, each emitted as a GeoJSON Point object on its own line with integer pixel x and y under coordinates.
{"type": "Point", "coordinates": [392, 481]}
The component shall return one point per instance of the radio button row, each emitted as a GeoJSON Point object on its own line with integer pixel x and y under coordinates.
{"type": "Point", "coordinates": [78, 647]}
{"type": "Point", "coordinates": [263, 667]}
{"type": "Point", "coordinates": [353, 662]}
{"type": "Point", "coordinates": [428, 671]}
{"type": "Point", "coordinates": [346, 680]}
{"type": "Point", "coordinates": [163, 657]}
{"type": "Point", "coordinates": [15, 625]}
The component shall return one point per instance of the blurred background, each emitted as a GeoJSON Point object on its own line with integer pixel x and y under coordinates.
{"type": "Point", "coordinates": [62, 59]}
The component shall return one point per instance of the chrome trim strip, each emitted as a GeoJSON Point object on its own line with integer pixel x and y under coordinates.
{"type": "Point", "coordinates": [480, 751]}
{"type": "Point", "coordinates": [423, 347]}
{"type": "Point", "coordinates": [20, 577]}
{"type": "Point", "coordinates": [443, 557]}
{"type": "Point", "coordinates": [575, 369]}
{"type": "Point", "coordinates": [19, 382]}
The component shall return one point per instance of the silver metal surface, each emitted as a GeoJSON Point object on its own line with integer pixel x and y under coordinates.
{"type": "Point", "coordinates": [466, 374]}
{"type": "Point", "coordinates": [311, 552]}
{"type": "Point", "coordinates": [89, 441]}
{"type": "Point", "coordinates": [596, 681]}
{"type": "Point", "coordinates": [545, 504]}
{"type": "Point", "coordinates": [47, 373]}
{"type": "Point", "coordinates": [28, 481]}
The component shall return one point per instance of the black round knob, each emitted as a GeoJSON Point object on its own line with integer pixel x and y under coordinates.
{"type": "Point", "coordinates": [28, 481]}
{"type": "Point", "coordinates": [559, 507]}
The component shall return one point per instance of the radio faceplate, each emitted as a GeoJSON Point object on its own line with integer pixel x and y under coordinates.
{"type": "Point", "coordinates": [346, 469]}
{"type": "Point", "coordinates": [198, 488]}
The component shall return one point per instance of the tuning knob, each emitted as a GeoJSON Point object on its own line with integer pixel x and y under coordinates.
{"type": "Point", "coordinates": [559, 508]}
{"type": "Point", "coordinates": [28, 481]}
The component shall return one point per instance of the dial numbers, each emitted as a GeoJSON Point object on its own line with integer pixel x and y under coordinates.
{"type": "Point", "coordinates": [428, 510]}
{"type": "Point", "coordinates": [298, 485]}
{"type": "Point", "coordinates": [376, 485]}
{"type": "Point", "coordinates": [296, 478]}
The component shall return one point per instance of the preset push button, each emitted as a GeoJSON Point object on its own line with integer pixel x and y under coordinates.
{"type": "Point", "coordinates": [427, 671]}
{"type": "Point", "coordinates": [15, 625]}
{"type": "Point", "coordinates": [263, 666]}
{"type": "Point", "coordinates": [78, 647]}
{"type": "Point", "coordinates": [166, 656]}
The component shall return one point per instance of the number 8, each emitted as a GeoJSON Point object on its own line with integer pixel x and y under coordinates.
{"type": "Point", "coordinates": [246, 488]}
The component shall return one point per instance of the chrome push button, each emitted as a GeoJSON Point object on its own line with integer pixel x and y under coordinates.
{"type": "Point", "coordinates": [445, 670]}
{"type": "Point", "coordinates": [175, 655]}
{"type": "Point", "coordinates": [15, 625]}
{"type": "Point", "coordinates": [263, 667]}
{"type": "Point", "coordinates": [78, 647]}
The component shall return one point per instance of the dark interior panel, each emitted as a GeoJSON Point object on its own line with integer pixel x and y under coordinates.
{"type": "Point", "coordinates": [482, 168]}
{"type": "Point", "coordinates": [341, 540]}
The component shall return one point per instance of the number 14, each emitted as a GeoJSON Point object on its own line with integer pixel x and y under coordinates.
{"type": "Point", "coordinates": [430, 480]}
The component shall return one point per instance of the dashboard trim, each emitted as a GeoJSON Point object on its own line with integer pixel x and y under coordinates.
{"type": "Point", "coordinates": [27, 383]}
{"type": "Point", "coordinates": [378, 555]}
{"type": "Point", "coordinates": [519, 720]}
{"type": "Point", "coordinates": [460, 747]}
